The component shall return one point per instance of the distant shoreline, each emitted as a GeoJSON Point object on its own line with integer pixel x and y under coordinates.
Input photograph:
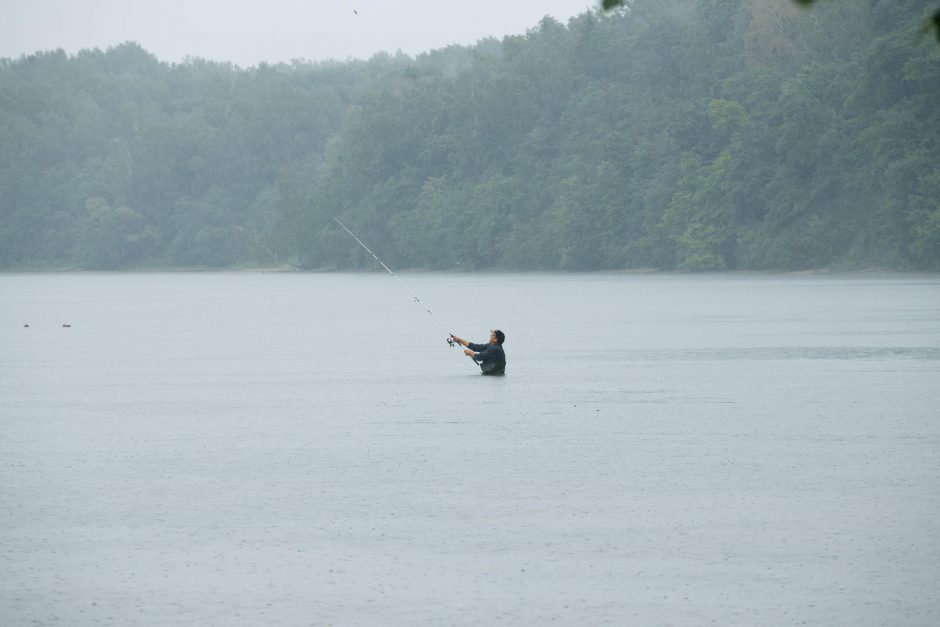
{"type": "Point", "coordinates": [501, 271]}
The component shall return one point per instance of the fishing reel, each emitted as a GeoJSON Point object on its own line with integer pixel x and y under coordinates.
{"type": "Point", "coordinates": [450, 341]}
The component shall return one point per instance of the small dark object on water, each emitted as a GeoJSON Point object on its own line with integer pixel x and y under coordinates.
{"type": "Point", "coordinates": [66, 326]}
{"type": "Point", "coordinates": [25, 326]}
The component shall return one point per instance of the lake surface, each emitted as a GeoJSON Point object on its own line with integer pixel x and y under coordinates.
{"type": "Point", "coordinates": [305, 449]}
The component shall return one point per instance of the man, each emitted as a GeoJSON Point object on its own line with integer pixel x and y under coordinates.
{"type": "Point", "coordinates": [490, 357]}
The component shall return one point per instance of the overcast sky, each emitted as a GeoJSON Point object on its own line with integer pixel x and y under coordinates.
{"type": "Point", "coordinates": [247, 32]}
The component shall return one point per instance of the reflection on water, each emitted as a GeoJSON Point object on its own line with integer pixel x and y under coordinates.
{"type": "Point", "coordinates": [836, 353]}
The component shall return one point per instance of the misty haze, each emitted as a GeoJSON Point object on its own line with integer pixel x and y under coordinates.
{"type": "Point", "coordinates": [704, 236]}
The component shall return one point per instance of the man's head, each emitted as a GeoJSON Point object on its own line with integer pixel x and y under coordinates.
{"type": "Point", "coordinates": [497, 337]}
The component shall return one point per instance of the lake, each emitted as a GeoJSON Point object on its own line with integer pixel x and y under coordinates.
{"type": "Point", "coordinates": [305, 449]}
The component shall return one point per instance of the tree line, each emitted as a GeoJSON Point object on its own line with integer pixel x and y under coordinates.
{"type": "Point", "coordinates": [670, 134]}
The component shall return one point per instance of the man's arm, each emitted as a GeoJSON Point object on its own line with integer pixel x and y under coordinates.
{"type": "Point", "coordinates": [484, 354]}
{"type": "Point", "coordinates": [475, 351]}
{"type": "Point", "coordinates": [476, 348]}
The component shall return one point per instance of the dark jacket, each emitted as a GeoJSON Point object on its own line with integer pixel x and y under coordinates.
{"type": "Point", "coordinates": [491, 358]}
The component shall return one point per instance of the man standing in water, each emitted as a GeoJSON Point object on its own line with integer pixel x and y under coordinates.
{"type": "Point", "coordinates": [490, 357]}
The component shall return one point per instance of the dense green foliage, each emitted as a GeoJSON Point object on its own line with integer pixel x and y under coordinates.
{"type": "Point", "coordinates": [931, 24]}
{"type": "Point", "coordinates": [706, 135]}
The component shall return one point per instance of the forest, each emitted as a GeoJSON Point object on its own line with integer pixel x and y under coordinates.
{"type": "Point", "coordinates": [674, 135]}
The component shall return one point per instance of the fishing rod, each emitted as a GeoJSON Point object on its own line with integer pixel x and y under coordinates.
{"type": "Point", "coordinates": [450, 336]}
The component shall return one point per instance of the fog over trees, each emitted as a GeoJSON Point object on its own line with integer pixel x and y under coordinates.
{"type": "Point", "coordinates": [675, 135]}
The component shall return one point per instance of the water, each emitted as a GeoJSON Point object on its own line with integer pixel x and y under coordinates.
{"type": "Point", "coordinates": [292, 449]}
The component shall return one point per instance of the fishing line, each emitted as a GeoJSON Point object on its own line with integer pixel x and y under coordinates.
{"type": "Point", "coordinates": [450, 340]}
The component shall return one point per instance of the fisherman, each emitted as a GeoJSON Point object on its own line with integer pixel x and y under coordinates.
{"type": "Point", "coordinates": [490, 356]}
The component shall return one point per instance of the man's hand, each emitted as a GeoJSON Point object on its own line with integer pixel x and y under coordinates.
{"type": "Point", "coordinates": [460, 340]}
{"type": "Point", "coordinates": [468, 352]}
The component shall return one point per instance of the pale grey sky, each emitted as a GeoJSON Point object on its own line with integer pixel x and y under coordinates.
{"type": "Point", "coordinates": [247, 32]}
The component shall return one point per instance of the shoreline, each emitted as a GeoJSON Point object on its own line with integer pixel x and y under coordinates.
{"type": "Point", "coordinates": [491, 271]}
